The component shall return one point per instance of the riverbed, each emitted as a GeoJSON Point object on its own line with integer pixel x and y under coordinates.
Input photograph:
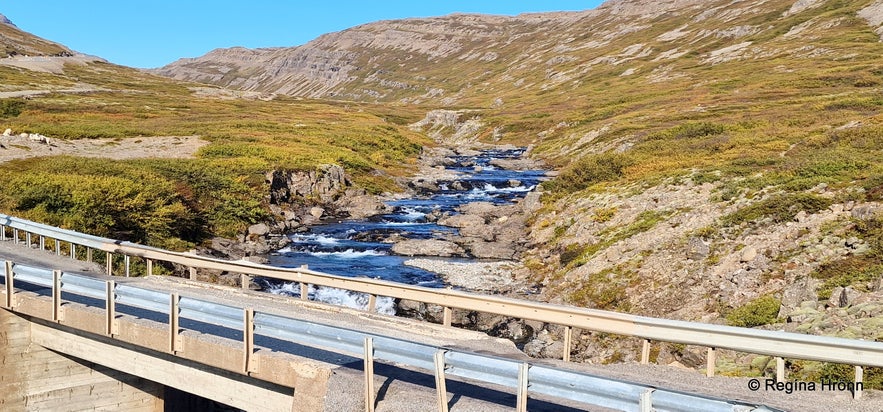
{"type": "Point", "coordinates": [363, 248]}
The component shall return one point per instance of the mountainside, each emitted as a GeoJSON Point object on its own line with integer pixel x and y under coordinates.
{"type": "Point", "coordinates": [719, 160]}
{"type": "Point", "coordinates": [16, 42]}
{"type": "Point", "coordinates": [458, 59]}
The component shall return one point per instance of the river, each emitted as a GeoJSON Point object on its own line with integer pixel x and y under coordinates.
{"type": "Point", "coordinates": [362, 248]}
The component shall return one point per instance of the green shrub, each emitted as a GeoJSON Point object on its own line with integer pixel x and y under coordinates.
{"type": "Point", "coordinates": [11, 107]}
{"type": "Point", "coordinates": [779, 208]}
{"type": "Point", "coordinates": [589, 170]}
{"type": "Point", "coordinates": [761, 311]}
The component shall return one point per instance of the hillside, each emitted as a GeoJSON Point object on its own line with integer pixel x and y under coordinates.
{"type": "Point", "coordinates": [169, 163]}
{"type": "Point", "coordinates": [719, 160]}
{"type": "Point", "coordinates": [16, 42]}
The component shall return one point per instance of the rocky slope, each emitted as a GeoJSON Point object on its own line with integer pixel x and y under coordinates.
{"type": "Point", "coordinates": [16, 42]}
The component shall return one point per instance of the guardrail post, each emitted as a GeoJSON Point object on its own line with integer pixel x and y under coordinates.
{"type": "Point", "coordinates": [859, 382]}
{"type": "Point", "coordinates": [149, 267]}
{"type": "Point", "coordinates": [73, 251]}
{"type": "Point", "coordinates": [448, 314]}
{"type": "Point", "coordinates": [89, 254]}
{"type": "Point", "coordinates": [128, 261]}
{"type": "Point", "coordinates": [441, 388]}
{"type": "Point", "coordinates": [568, 338]}
{"type": "Point", "coordinates": [15, 236]}
{"type": "Point", "coordinates": [56, 296]}
{"type": "Point", "coordinates": [42, 242]}
{"type": "Point", "coordinates": [372, 303]}
{"type": "Point", "coordinates": [57, 247]}
{"type": "Point", "coordinates": [10, 290]}
{"type": "Point", "coordinates": [523, 370]}
{"type": "Point", "coordinates": [110, 308]}
{"type": "Point", "coordinates": [645, 352]}
{"type": "Point", "coordinates": [244, 280]}
{"type": "Point", "coordinates": [109, 264]}
{"type": "Point", "coordinates": [369, 374]}
{"type": "Point", "coordinates": [174, 330]}
{"type": "Point", "coordinates": [710, 363]}
{"type": "Point", "coordinates": [3, 232]}
{"type": "Point", "coordinates": [28, 239]}
{"type": "Point", "coordinates": [780, 369]}
{"type": "Point", "coordinates": [247, 339]}
{"type": "Point", "coordinates": [304, 291]}
{"type": "Point", "coordinates": [646, 400]}
{"type": "Point", "coordinates": [192, 272]}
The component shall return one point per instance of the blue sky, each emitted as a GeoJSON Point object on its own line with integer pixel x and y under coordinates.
{"type": "Point", "coordinates": [149, 34]}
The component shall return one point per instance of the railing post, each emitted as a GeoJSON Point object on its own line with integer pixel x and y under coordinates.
{"type": "Point", "coordinates": [304, 291]}
{"type": "Point", "coordinates": [710, 363]}
{"type": "Point", "coordinates": [110, 308]}
{"type": "Point", "coordinates": [523, 371]}
{"type": "Point", "coordinates": [3, 232]}
{"type": "Point", "coordinates": [568, 338]}
{"type": "Point", "coordinates": [56, 296]}
{"type": "Point", "coordinates": [28, 239]}
{"type": "Point", "coordinates": [89, 254]}
{"type": "Point", "coordinates": [10, 290]}
{"type": "Point", "coordinates": [109, 262]}
{"type": "Point", "coordinates": [369, 374]}
{"type": "Point", "coordinates": [149, 267]}
{"type": "Point", "coordinates": [247, 339]}
{"type": "Point", "coordinates": [128, 260]}
{"type": "Point", "coordinates": [174, 336]}
{"type": "Point", "coordinates": [780, 369]}
{"type": "Point", "coordinates": [73, 251]}
{"type": "Point", "coordinates": [447, 316]}
{"type": "Point", "coordinates": [57, 247]}
{"type": "Point", "coordinates": [192, 273]}
{"type": "Point", "coordinates": [15, 236]}
{"type": "Point", "coordinates": [646, 400]}
{"type": "Point", "coordinates": [645, 352]}
{"type": "Point", "coordinates": [372, 303]}
{"type": "Point", "coordinates": [859, 382]}
{"type": "Point", "coordinates": [441, 388]}
{"type": "Point", "coordinates": [42, 242]}
{"type": "Point", "coordinates": [244, 280]}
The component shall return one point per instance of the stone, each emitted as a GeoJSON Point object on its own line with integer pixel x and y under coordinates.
{"type": "Point", "coordinates": [800, 216]}
{"type": "Point", "coordinates": [317, 212]}
{"type": "Point", "coordinates": [697, 249]}
{"type": "Point", "coordinates": [555, 350]}
{"type": "Point", "coordinates": [489, 250]}
{"type": "Point", "coordinates": [428, 247]}
{"type": "Point", "coordinates": [837, 208]}
{"type": "Point", "coordinates": [865, 212]}
{"type": "Point", "coordinates": [462, 221]}
{"type": "Point", "coordinates": [748, 254]}
{"type": "Point", "coordinates": [843, 297]}
{"type": "Point", "coordinates": [514, 183]}
{"type": "Point", "coordinates": [7, 132]}
{"type": "Point", "coordinates": [259, 229]}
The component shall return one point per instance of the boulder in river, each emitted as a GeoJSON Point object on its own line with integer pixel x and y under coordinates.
{"type": "Point", "coordinates": [428, 247]}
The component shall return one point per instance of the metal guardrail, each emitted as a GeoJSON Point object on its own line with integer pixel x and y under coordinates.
{"type": "Point", "coordinates": [771, 343]}
{"type": "Point", "coordinates": [521, 377]}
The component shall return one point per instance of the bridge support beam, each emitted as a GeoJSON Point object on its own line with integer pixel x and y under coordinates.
{"type": "Point", "coordinates": [36, 378]}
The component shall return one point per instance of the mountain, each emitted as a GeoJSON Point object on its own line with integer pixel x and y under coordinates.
{"type": "Point", "coordinates": [414, 60]}
{"type": "Point", "coordinates": [15, 42]}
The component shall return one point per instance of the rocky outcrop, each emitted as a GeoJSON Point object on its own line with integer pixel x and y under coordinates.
{"type": "Point", "coordinates": [428, 247]}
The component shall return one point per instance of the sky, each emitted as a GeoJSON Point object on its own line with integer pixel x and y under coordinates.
{"type": "Point", "coordinates": [147, 34]}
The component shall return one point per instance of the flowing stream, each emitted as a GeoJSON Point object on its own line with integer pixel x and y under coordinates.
{"type": "Point", "coordinates": [362, 248]}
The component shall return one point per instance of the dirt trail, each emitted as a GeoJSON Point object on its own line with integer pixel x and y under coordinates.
{"type": "Point", "coordinates": [169, 147]}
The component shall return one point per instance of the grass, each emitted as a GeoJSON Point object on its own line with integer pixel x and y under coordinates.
{"type": "Point", "coordinates": [178, 203]}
